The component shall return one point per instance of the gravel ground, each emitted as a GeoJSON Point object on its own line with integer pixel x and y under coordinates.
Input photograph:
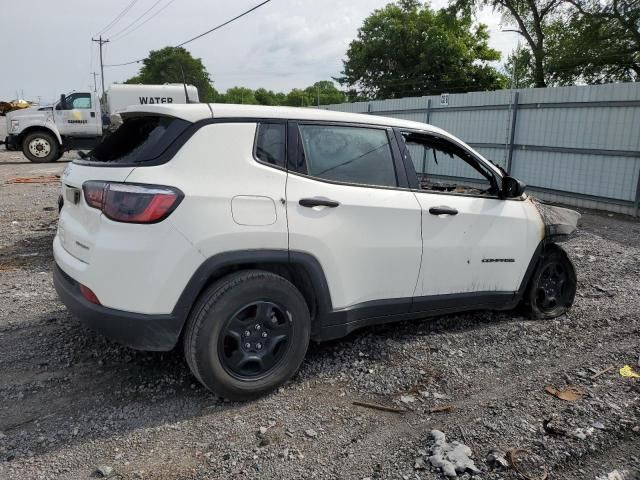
{"type": "Point", "coordinates": [71, 401]}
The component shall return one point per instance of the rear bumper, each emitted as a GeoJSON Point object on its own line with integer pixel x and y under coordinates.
{"type": "Point", "coordinates": [135, 330]}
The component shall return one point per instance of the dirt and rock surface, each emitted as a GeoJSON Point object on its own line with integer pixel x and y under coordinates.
{"type": "Point", "coordinates": [72, 402]}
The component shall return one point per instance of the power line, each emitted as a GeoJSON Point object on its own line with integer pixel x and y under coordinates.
{"type": "Point", "coordinates": [117, 18]}
{"type": "Point", "coordinates": [224, 24]}
{"type": "Point", "coordinates": [217, 27]}
{"type": "Point", "coordinates": [136, 20]}
{"type": "Point", "coordinates": [136, 28]}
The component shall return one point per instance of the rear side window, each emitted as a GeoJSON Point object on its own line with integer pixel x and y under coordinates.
{"type": "Point", "coordinates": [139, 140]}
{"type": "Point", "coordinates": [349, 154]}
{"type": "Point", "coordinates": [271, 143]}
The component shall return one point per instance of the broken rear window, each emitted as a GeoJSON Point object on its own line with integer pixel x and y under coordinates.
{"type": "Point", "coordinates": [139, 140]}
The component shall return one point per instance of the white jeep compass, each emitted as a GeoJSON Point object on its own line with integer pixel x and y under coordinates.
{"type": "Point", "coordinates": [243, 232]}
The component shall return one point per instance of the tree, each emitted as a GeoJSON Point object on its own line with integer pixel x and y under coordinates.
{"type": "Point", "coordinates": [529, 18]}
{"type": "Point", "coordinates": [326, 90]}
{"type": "Point", "coordinates": [580, 48]}
{"type": "Point", "coordinates": [325, 93]}
{"type": "Point", "coordinates": [520, 66]}
{"type": "Point", "coordinates": [298, 98]}
{"type": "Point", "coordinates": [240, 95]}
{"type": "Point", "coordinates": [604, 43]}
{"type": "Point", "coordinates": [266, 97]}
{"type": "Point", "coordinates": [167, 66]}
{"type": "Point", "coordinates": [408, 49]}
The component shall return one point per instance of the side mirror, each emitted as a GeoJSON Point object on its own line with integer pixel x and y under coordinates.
{"type": "Point", "coordinates": [63, 102]}
{"type": "Point", "coordinates": [512, 187]}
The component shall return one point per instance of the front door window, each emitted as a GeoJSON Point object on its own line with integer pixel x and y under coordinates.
{"type": "Point", "coordinates": [443, 166]}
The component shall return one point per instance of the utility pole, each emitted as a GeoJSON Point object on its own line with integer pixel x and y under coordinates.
{"type": "Point", "coordinates": [514, 68]}
{"type": "Point", "coordinates": [318, 95]}
{"type": "Point", "coordinates": [95, 83]}
{"type": "Point", "coordinates": [101, 42]}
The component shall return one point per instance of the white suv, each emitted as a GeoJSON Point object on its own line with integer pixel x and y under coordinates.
{"type": "Point", "coordinates": [243, 232]}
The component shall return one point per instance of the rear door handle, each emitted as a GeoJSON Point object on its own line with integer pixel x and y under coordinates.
{"type": "Point", "coordinates": [443, 211]}
{"type": "Point", "coordinates": [318, 202]}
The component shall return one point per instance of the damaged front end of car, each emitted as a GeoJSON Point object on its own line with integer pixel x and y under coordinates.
{"type": "Point", "coordinates": [552, 287]}
{"type": "Point", "coordinates": [559, 222]}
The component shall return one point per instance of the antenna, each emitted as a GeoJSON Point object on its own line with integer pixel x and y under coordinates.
{"type": "Point", "coordinates": [184, 84]}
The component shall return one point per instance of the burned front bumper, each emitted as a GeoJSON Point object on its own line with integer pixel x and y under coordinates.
{"type": "Point", "coordinates": [559, 222]}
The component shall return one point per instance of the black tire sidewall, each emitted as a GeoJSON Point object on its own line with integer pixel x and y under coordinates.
{"type": "Point", "coordinates": [54, 154]}
{"type": "Point", "coordinates": [552, 256]}
{"type": "Point", "coordinates": [213, 315]}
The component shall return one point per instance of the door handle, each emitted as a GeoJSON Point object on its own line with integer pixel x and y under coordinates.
{"type": "Point", "coordinates": [318, 202]}
{"type": "Point", "coordinates": [443, 211]}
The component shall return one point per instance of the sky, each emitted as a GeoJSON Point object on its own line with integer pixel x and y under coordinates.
{"type": "Point", "coordinates": [284, 44]}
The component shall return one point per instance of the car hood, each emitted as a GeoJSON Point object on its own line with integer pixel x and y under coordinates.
{"type": "Point", "coordinates": [26, 113]}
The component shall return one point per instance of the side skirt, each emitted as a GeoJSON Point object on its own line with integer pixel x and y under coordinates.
{"type": "Point", "coordinates": [338, 323]}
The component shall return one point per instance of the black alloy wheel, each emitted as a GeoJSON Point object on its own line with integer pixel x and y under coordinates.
{"type": "Point", "coordinates": [255, 339]}
{"type": "Point", "coordinates": [553, 286]}
{"type": "Point", "coordinates": [551, 290]}
{"type": "Point", "coordinates": [247, 334]}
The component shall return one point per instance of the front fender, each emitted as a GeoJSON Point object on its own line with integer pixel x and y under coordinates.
{"type": "Point", "coordinates": [29, 124]}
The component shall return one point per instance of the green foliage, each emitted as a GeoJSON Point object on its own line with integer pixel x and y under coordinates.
{"type": "Point", "coordinates": [269, 97]}
{"type": "Point", "coordinates": [570, 41]}
{"type": "Point", "coordinates": [529, 18]}
{"type": "Point", "coordinates": [240, 95]}
{"type": "Point", "coordinates": [325, 91]}
{"type": "Point", "coordinates": [596, 42]}
{"type": "Point", "coordinates": [408, 49]}
{"type": "Point", "coordinates": [167, 66]}
{"type": "Point", "coordinates": [521, 60]}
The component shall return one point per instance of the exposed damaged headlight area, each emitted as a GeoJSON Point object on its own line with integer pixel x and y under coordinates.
{"type": "Point", "coordinates": [559, 222]}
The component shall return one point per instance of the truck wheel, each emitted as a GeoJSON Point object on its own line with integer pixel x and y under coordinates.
{"type": "Point", "coordinates": [247, 334]}
{"type": "Point", "coordinates": [553, 285]}
{"type": "Point", "coordinates": [41, 147]}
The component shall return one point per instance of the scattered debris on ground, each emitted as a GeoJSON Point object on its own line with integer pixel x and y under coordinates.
{"type": "Point", "coordinates": [569, 394]}
{"type": "Point", "coordinates": [628, 372]}
{"type": "Point", "coordinates": [528, 465]}
{"type": "Point", "coordinates": [452, 458]}
{"type": "Point", "coordinates": [41, 179]}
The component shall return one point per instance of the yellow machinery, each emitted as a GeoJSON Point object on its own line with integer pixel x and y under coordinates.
{"type": "Point", "coordinates": [6, 107]}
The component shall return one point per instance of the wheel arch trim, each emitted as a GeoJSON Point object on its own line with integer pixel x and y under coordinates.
{"type": "Point", "coordinates": [219, 265]}
{"type": "Point", "coordinates": [40, 128]}
{"type": "Point", "coordinates": [546, 245]}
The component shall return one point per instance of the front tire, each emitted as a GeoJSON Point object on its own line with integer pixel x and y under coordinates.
{"type": "Point", "coordinates": [553, 285]}
{"type": "Point", "coordinates": [41, 147]}
{"type": "Point", "coordinates": [247, 334]}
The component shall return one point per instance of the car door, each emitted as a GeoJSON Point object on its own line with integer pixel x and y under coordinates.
{"type": "Point", "coordinates": [78, 116]}
{"type": "Point", "coordinates": [348, 205]}
{"type": "Point", "coordinates": [476, 245]}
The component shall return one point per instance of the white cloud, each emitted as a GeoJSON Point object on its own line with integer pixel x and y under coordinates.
{"type": "Point", "coordinates": [285, 44]}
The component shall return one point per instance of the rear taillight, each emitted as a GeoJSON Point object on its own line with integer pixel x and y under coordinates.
{"type": "Point", "coordinates": [131, 202]}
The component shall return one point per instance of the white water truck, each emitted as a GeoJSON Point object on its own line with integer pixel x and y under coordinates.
{"type": "Point", "coordinates": [76, 121]}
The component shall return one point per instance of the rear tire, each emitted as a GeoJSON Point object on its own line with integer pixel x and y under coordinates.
{"type": "Point", "coordinates": [41, 147]}
{"type": "Point", "coordinates": [553, 285]}
{"type": "Point", "coordinates": [247, 334]}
